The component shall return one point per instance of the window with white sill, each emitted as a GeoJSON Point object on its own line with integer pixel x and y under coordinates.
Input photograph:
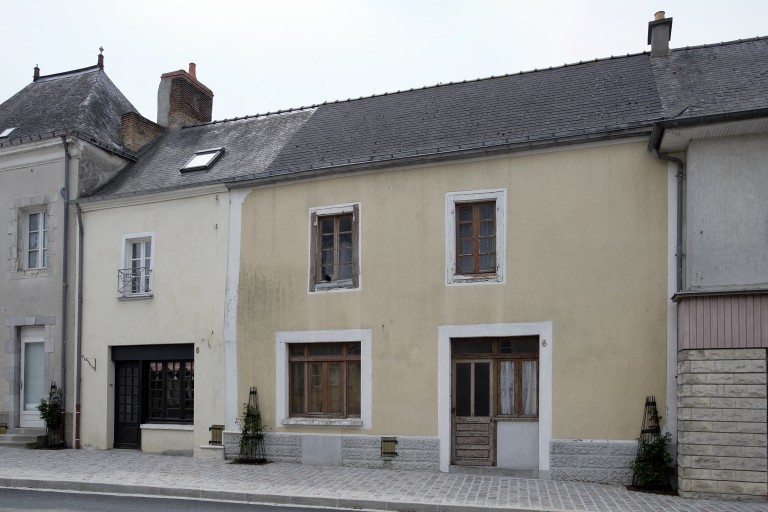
{"type": "Point", "coordinates": [134, 278]}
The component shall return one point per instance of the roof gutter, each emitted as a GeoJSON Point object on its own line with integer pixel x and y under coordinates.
{"type": "Point", "coordinates": [660, 126]}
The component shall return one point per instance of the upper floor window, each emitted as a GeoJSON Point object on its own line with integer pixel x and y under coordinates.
{"type": "Point", "coordinates": [135, 278]}
{"type": "Point", "coordinates": [37, 240]}
{"type": "Point", "coordinates": [475, 233]}
{"type": "Point", "coordinates": [334, 250]}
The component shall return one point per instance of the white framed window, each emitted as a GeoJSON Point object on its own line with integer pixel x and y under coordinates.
{"type": "Point", "coordinates": [135, 274]}
{"type": "Point", "coordinates": [294, 404]}
{"type": "Point", "coordinates": [36, 239]}
{"type": "Point", "coordinates": [334, 247]}
{"type": "Point", "coordinates": [475, 237]}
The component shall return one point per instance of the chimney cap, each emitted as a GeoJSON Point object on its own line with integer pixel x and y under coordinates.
{"type": "Point", "coordinates": [659, 15]}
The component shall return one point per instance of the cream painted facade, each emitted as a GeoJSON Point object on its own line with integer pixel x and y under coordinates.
{"type": "Point", "coordinates": [189, 232]}
{"type": "Point", "coordinates": [584, 258]}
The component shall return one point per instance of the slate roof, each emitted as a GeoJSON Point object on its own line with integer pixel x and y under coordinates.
{"type": "Point", "coordinates": [605, 98]}
{"type": "Point", "coordinates": [713, 79]}
{"type": "Point", "coordinates": [250, 146]}
{"type": "Point", "coordinates": [87, 103]}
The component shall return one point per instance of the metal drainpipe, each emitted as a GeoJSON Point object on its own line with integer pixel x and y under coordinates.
{"type": "Point", "coordinates": [64, 272]}
{"type": "Point", "coordinates": [680, 177]}
{"type": "Point", "coordinates": [79, 329]}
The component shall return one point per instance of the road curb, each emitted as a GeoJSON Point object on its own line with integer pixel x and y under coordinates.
{"type": "Point", "coordinates": [245, 497]}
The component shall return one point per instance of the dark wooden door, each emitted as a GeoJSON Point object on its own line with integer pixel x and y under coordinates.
{"type": "Point", "coordinates": [473, 426]}
{"type": "Point", "coordinates": [127, 405]}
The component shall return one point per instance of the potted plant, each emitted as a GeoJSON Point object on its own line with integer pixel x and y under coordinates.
{"type": "Point", "coordinates": [51, 412]}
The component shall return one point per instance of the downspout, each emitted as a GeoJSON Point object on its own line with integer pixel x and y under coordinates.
{"type": "Point", "coordinates": [79, 329]}
{"type": "Point", "coordinates": [680, 177]}
{"type": "Point", "coordinates": [64, 272]}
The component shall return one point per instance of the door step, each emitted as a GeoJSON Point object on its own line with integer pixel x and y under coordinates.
{"type": "Point", "coordinates": [494, 471]}
{"type": "Point", "coordinates": [23, 437]}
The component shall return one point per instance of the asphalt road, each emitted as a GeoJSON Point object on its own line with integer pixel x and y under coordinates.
{"type": "Point", "coordinates": [28, 500]}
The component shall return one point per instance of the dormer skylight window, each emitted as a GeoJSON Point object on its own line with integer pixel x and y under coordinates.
{"type": "Point", "coordinates": [203, 159]}
{"type": "Point", "coordinates": [6, 132]}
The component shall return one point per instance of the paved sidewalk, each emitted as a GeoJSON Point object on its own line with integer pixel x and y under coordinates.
{"type": "Point", "coordinates": [131, 472]}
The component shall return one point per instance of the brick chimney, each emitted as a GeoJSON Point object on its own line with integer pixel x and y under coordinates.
{"type": "Point", "coordinates": [182, 100]}
{"type": "Point", "coordinates": [659, 34]}
{"type": "Point", "coordinates": [136, 131]}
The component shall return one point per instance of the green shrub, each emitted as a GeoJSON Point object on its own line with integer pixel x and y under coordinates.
{"type": "Point", "coordinates": [651, 467]}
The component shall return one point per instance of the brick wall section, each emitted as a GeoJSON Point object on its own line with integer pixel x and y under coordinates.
{"type": "Point", "coordinates": [721, 401]}
{"type": "Point", "coordinates": [605, 462]}
{"type": "Point", "coordinates": [190, 102]}
{"type": "Point", "coordinates": [414, 453]}
{"type": "Point", "coordinates": [137, 131]}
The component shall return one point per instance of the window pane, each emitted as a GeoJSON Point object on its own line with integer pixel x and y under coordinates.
{"type": "Point", "coordinates": [353, 349]}
{"type": "Point", "coordinates": [465, 230]}
{"type": "Point", "coordinates": [316, 387]}
{"type": "Point", "coordinates": [466, 265]}
{"type": "Point", "coordinates": [326, 225]}
{"type": "Point", "coordinates": [345, 223]}
{"type": "Point", "coordinates": [135, 251]}
{"type": "Point", "coordinates": [463, 389]}
{"type": "Point", "coordinates": [466, 247]}
{"type": "Point", "coordinates": [297, 388]}
{"type": "Point", "coordinates": [465, 213]}
{"type": "Point", "coordinates": [34, 221]}
{"type": "Point", "coordinates": [173, 390]}
{"type": "Point", "coordinates": [327, 241]}
{"type": "Point", "coordinates": [353, 389]}
{"type": "Point", "coordinates": [335, 389]}
{"type": "Point", "coordinates": [487, 228]}
{"type": "Point", "coordinates": [487, 263]}
{"type": "Point", "coordinates": [325, 349]}
{"type": "Point", "coordinates": [482, 389]}
{"type": "Point", "coordinates": [487, 210]}
{"type": "Point", "coordinates": [507, 387]}
{"type": "Point", "coordinates": [528, 387]}
{"type": "Point", "coordinates": [33, 240]}
{"type": "Point", "coordinates": [296, 349]}
{"type": "Point", "coordinates": [148, 249]}
{"type": "Point", "coordinates": [473, 346]}
{"type": "Point", "coordinates": [155, 394]}
{"type": "Point", "coordinates": [345, 271]}
{"type": "Point", "coordinates": [487, 246]}
{"type": "Point", "coordinates": [189, 390]}
{"type": "Point", "coordinates": [345, 254]}
{"type": "Point", "coordinates": [520, 346]}
{"type": "Point", "coordinates": [32, 259]}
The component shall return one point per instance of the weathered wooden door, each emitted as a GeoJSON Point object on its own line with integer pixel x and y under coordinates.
{"type": "Point", "coordinates": [127, 405]}
{"type": "Point", "coordinates": [473, 430]}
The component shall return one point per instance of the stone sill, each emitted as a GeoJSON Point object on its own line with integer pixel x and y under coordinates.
{"type": "Point", "coordinates": [166, 426]}
{"type": "Point", "coordinates": [322, 422]}
{"type": "Point", "coordinates": [138, 296]}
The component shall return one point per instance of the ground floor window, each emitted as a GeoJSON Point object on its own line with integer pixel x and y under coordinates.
{"type": "Point", "coordinates": [170, 390]}
{"type": "Point", "coordinates": [324, 379]}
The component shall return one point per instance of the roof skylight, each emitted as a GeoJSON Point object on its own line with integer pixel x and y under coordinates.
{"type": "Point", "coordinates": [6, 132]}
{"type": "Point", "coordinates": [203, 159]}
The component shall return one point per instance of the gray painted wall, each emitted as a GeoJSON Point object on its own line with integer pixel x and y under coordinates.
{"type": "Point", "coordinates": [31, 178]}
{"type": "Point", "coordinates": [727, 213]}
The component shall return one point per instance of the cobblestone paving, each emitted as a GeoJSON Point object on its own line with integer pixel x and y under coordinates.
{"type": "Point", "coordinates": [126, 471]}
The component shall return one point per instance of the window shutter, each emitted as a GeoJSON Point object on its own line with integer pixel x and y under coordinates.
{"type": "Point", "coordinates": [355, 246]}
{"type": "Point", "coordinates": [313, 253]}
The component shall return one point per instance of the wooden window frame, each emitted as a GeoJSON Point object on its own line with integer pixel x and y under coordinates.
{"type": "Point", "coordinates": [476, 238]}
{"type": "Point", "coordinates": [184, 392]}
{"type": "Point", "coordinates": [496, 356]}
{"type": "Point", "coordinates": [306, 359]}
{"type": "Point", "coordinates": [316, 277]}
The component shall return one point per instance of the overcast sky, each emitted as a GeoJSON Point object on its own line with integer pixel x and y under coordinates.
{"type": "Point", "coordinates": [260, 56]}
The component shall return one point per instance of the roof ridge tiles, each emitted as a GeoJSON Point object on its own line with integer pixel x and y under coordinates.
{"type": "Point", "coordinates": [63, 74]}
{"type": "Point", "coordinates": [721, 43]}
{"type": "Point", "coordinates": [424, 87]}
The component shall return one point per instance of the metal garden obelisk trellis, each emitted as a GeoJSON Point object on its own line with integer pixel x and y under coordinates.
{"type": "Point", "coordinates": [252, 437]}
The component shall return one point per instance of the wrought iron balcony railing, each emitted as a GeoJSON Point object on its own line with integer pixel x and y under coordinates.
{"type": "Point", "coordinates": [134, 281]}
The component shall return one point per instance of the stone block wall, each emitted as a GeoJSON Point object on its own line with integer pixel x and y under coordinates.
{"type": "Point", "coordinates": [721, 403]}
{"type": "Point", "coordinates": [598, 461]}
{"type": "Point", "coordinates": [413, 453]}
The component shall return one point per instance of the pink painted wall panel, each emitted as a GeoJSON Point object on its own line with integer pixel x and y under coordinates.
{"type": "Point", "coordinates": [723, 321]}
